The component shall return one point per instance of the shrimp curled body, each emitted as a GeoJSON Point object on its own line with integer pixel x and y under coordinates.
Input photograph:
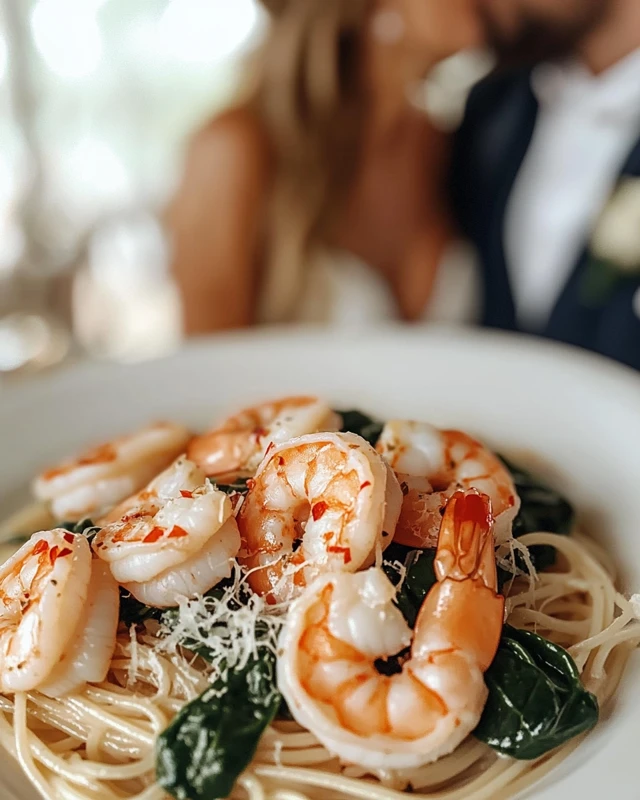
{"type": "Point", "coordinates": [343, 623]}
{"type": "Point", "coordinates": [176, 538]}
{"type": "Point", "coordinates": [95, 481]}
{"type": "Point", "coordinates": [431, 465]}
{"type": "Point", "coordinates": [239, 444]}
{"type": "Point", "coordinates": [58, 616]}
{"type": "Point", "coordinates": [328, 494]}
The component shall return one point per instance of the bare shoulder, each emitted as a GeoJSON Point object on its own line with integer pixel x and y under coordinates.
{"type": "Point", "coordinates": [234, 140]}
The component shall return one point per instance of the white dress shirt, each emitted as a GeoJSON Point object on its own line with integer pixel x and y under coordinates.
{"type": "Point", "coordinates": [586, 127]}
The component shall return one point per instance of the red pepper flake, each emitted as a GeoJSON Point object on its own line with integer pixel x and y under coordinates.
{"type": "Point", "coordinates": [346, 552]}
{"type": "Point", "coordinates": [53, 554]}
{"type": "Point", "coordinates": [64, 552]}
{"type": "Point", "coordinates": [185, 493]}
{"type": "Point", "coordinates": [177, 532]}
{"type": "Point", "coordinates": [134, 515]}
{"type": "Point", "coordinates": [40, 547]}
{"type": "Point", "coordinates": [270, 448]}
{"type": "Point", "coordinates": [365, 484]}
{"type": "Point", "coordinates": [280, 461]}
{"type": "Point", "coordinates": [250, 483]}
{"type": "Point", "coordinates": [318, 510]}
{"type": "Point", "coordinates": [154, 535]}
{"type": "Point", "coordinates": [260, 432]}
{"type": "Point", "coordinates": [68, 537]}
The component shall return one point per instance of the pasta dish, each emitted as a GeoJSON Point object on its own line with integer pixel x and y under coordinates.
{"type": "Point", "coordinates": [301, 603]}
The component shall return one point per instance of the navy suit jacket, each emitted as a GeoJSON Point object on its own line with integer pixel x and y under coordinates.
{"type": "Point", "coordinates": [490, 147]}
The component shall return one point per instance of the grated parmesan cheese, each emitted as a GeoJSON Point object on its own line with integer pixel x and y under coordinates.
{"type": "Point", "coordinates": [232, 626]}
{"type": "Point", "coordinates": [506, 554]}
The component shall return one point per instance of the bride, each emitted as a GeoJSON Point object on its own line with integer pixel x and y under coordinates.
{"type": "Point", "coordinates": [321, 198]}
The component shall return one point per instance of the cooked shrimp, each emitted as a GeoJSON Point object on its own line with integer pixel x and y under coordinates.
{"type": "Point", "coordinates": [98, 479]}
{"type": "Point", "coordinates": [337, 630]}
{"type": "Point", "coordinates": [43, 592]}
{"type": "Point", "coordinates": [89, 654]}
{"type": "Point", "coordinates": [329, 494]}
{"type": "Point", "coordinates": [177, 538]}
{"type": "Point", "coordinates": [197, 574]}
{"type": "Point", "coordinates": [240, 443]}
{"type": "Point", "coordinates": [177, 480]}
{"type": "Point", "coordinates": [431, 465]}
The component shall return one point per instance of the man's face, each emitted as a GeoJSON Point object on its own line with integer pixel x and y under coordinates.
{"type": "Point", "coordinates": [526, 31]}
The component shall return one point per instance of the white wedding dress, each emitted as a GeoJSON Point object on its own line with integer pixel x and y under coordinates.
{"type": "Point", "coordinates": [341, 291]}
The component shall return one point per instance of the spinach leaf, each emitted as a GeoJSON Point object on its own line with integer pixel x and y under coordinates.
{"type": "Point", "coordinates": [536, 698]}
{"type": "Point", "coordinates": [133, 612]}
{"type": "Point", "coordinates": [542, 509]}
{"type": "Point", "coordinates": [213, 738]}
{"type": "Point", "coordinates": [357, 422]}
{"type": "Point", "coordinates": [419, 578]}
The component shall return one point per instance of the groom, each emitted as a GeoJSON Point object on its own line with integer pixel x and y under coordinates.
{"type": "Point", "coordinates": [547, 172]}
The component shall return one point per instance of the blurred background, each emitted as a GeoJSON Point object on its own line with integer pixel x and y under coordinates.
{"type": "Point", "coordinates": [98, 99]}
{"type": "Point", "coordinates": [175, 167]}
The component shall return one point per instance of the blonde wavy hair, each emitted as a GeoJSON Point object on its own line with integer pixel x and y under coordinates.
{"type": "Point", "coordinates": [310, 100]}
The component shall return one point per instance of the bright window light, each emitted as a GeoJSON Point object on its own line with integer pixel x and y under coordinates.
{"type": "Point", "coordinates": [206, 31]}
{"type": "Point", "coordinates": [67, 36]}
{"type": "Point", "coordinates": [93, 177]}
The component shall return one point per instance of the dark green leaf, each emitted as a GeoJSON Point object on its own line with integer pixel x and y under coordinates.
{"type": "Point", "coordinates": [542, 509]}
{"type": "Point", "coordinates": [213, 738]}
{"type": "Point", "coordinates": [133, 612]}
{"type": "Point", "coordinates": [536, 698]}
{"type": "Point", "coordinates": [357, 422]}
{"type": "Point", "coordinates": [419, 578]}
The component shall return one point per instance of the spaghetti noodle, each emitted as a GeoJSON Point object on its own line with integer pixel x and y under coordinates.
{"type": "Point", "coordinates": [98, 744]}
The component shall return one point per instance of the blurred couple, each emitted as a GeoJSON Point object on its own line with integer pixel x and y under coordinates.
{"type": "Point", "coordinates": [327, 196]}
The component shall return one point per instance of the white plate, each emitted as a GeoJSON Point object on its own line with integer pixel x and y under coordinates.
{"type": "Point", "coordinates": [577, 416]}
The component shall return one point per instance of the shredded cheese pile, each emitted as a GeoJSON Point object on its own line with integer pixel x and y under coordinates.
{"type": "Point", "coordinates": [231, 626]}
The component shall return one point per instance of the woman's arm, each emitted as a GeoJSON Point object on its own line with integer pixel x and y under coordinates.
{"type": "Point", "coordinates": [214, 223]}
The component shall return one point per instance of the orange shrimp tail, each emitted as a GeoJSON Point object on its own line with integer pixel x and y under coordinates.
{"type": "Point", "coordinates": [467, 527]}
{"type": "Point", "coordinates": [464, 607]}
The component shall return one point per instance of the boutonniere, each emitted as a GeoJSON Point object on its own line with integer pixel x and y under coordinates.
{"type": "Point", "coordinates": [614, 250]}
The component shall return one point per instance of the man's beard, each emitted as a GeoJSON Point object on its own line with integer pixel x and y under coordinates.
{"type": "Point", "coordinates": [538, 39]}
